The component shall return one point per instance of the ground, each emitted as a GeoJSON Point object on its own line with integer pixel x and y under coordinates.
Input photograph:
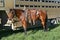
{"type": "Point", "coordinates": [32, 34]}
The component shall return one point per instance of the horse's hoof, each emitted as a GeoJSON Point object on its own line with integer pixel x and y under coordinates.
{"type": "Point", "coordinates": [46, 30]}
{"type": "Point", "coordinates": [25, 33]}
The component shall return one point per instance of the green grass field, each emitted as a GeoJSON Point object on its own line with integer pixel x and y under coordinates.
{"type": "Point", "coordinates": [32, 34]}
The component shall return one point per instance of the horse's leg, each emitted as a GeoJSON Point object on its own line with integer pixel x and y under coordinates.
{"type": "Point", "coordinates": [30, 21]}
{"type": "Point", "coordinates": [46, 27]}
{"type": "Point", "coordinates": [43, 24]}
{"type": "Point", "coordinates": [33, 22]}
{"type": "Point", "coordinates": [24, 24]}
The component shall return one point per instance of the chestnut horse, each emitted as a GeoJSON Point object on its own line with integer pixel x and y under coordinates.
{"type": "Point", "coordinates": [20, 15]}
{"type": "Point", "coordinates": [43, 17]}
{"type": "Point", "coordinates": [32, 16]}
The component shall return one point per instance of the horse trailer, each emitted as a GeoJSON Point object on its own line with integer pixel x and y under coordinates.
{"type": "Point", "coordinates": [51, 6]}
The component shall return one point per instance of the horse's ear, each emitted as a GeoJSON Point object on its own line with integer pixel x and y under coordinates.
{"type": "Point", "coordinates": [10, 9]}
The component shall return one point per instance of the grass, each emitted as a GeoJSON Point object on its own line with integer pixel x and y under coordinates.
{"type": "Point", "coordinates": [32, 34]}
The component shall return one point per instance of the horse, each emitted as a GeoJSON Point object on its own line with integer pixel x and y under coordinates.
{"type": "Point", "coordinates": [20, 14]}
{"type": "Point", "coordinates": [32, 16]}
{"type": "Point", "coordinates": [42, 14]}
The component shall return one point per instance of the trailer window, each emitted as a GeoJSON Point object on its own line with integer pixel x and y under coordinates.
{"type": "Point", "coordinates": [2, 3]}
{"type": "Point", "coordinates": [16, 5]}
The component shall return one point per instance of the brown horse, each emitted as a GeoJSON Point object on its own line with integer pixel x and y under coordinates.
{"type": "Point", "coordinates": [32, 16]}
{"type": "Point", "coordinates": [20, 15]}
{"type": "Point", "coordinates": [43, 17]}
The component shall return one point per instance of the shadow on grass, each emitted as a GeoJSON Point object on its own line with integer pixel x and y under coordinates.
{"type": "Point", "coordinates": [7, 32]}
{"type": "Point", "coordinates": [35, 28]}
{"type": "Point", "coordinates": [53, 26]}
